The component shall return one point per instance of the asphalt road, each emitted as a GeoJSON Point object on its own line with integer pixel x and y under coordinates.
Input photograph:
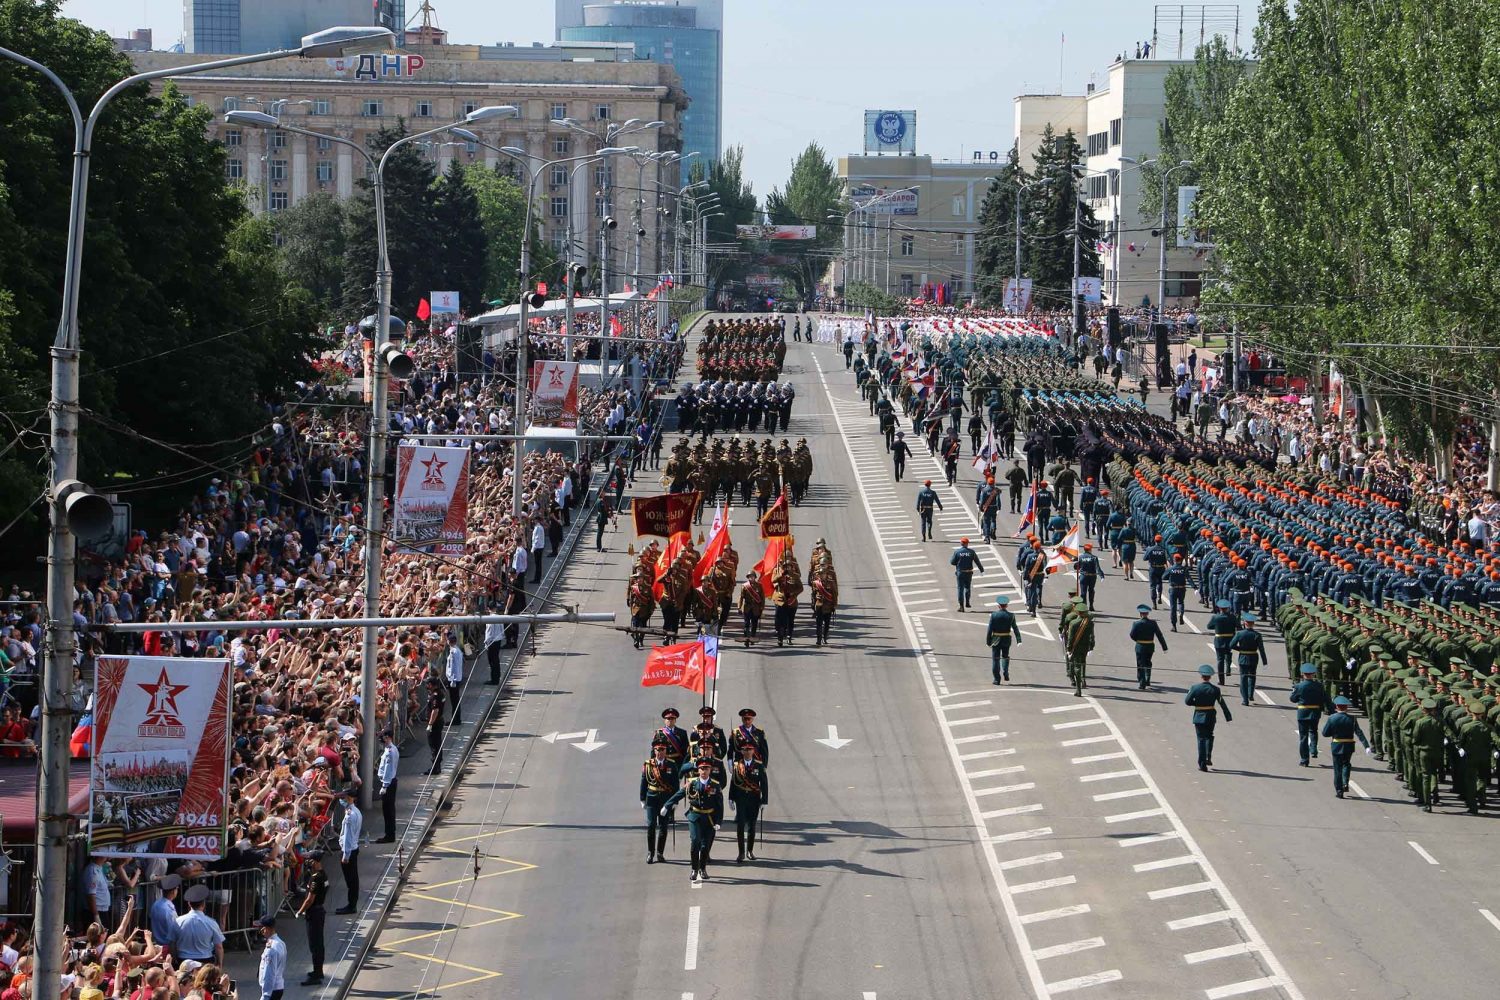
{"type": "Point", "coordinates": [968, 840]}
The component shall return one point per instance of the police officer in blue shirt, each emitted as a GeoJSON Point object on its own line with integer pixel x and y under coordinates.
{"type": "Point", "coordinates": [964, 562]}
{"type": "Point", "coordinates": [1311, 699]}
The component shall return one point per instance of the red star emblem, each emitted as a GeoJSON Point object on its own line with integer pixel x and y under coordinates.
{"type": "Point", "coordinates": [434, 467]}
{"type": "Point", "coordinates": [163, 708]}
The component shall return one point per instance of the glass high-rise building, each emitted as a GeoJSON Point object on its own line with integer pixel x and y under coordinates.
{"type": "Point", "coordinates": [238, 26]}
{"type": "Point", "coordinates": [686, 35]}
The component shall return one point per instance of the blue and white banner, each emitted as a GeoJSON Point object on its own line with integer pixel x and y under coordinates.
{"type": "Point", "coordinates": [890, 131]}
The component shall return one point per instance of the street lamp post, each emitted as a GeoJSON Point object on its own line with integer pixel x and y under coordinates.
{"type": "Point", "coordinates": [1161, 269]}
{"type": "Point", "coordinates": [388, 359]}
{"type": "Point", "coordinates": [74, 505]}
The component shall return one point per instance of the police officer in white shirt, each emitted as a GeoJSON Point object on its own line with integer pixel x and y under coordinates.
{"type": "Point", "coordinates": [454, 675]}
{"type": "Point", "coordinates": [538, 549]}
{"type": "Point", "coordinates": [272, 960]}
{"type": "Point", "coordinates": [390, 761]}
{"type": "Point", "coordinates": [349, 832]}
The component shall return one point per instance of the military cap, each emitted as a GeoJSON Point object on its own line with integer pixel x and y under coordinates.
{"type": "Point", "coordinates": [669, 711]}
{"type": "Point", "coordinates": [707, 710]}
{"type": "Point", "coordinates": [1002, 600]}
{"type": "Point", "coordinates": [1144, 609]}
{"type": "Point", "coordinates": [1222, 604]}
{"type": "Point", "coordinates": [1249, 619]}
{"type": "Point", "coordinates": [197, 893]}
{"type": "Point", "coordinates": [1429, 703]}
{"type": "Point", "coordinates": [747, 712]}
{"type": "Point", "coordinates": [1205, 670]}
{"type": "Point", "coordinates": [1308, 668]}
{"type": "Point", "coordinates": [1341, 702]}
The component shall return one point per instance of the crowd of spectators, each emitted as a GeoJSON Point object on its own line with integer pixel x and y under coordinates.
{"type": "Point", "coordinates": [277, 536]}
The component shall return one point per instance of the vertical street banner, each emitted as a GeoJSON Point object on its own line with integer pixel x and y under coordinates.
{"type": "Point", "coordinates": [432, 498]}
{"type": "Point", "coordinates": [1017, 295]}
{"type": "Point", "coordinates": [159, 779]}
{"type": "Point", "coordinates": [554, 393]}
{"type": "Point", "coordinates": [443, 302]}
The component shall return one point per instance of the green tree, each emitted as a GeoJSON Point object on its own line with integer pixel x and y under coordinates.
{"type": "Point", "coordinates": [463, 243]}
{"type": "Point", "coordinates": [414, 244]}
{"type": "Point", "coordinates": [501, 204]}
{"type": "Point", "coordinates": [811, 194]}
{"type": "Point", "coordinates": [738, 205]}
{"type": "Point", "coordinates": [311, 237]}
{"type": "Point", "coordinates": [995, 243]}
{"type": "Point", "coordinates": [1049, 243]}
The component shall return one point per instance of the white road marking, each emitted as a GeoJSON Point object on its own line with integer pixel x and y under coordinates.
{"type": "Point", "coordinates": [1422, 852]}
{"type": "Point", "coordinates": [1150, 838]}
{"type": "Point", "coordinates": [1078, 724]}
{"type": "Point", "coordinates": [1189, 623]}
{"type": "Point", "coordinates": [1046, 883]}
{"type": "Point", "coordinates": [986, 754]}
{"type": "Point", "coordinates": [1248, 986]}
{"type": "Point", "coordinates": [981, 738]}
{"type": "Point", "coordinates": [1083, 982]}
{"type": "Point", "coordinates": [1066, 708]}
{"type": "Point", "coordinates": [869, 995]}
{"type": "Point", "coordinates": [1108, 775]}
{"type": "Point", "coordinates": [1129, 793]}
{"type": "Point", "coordinates": [1086, 740]}
{"type": "Point", "coordinates": [1071, 948]}
{"type": "Point", "coordinates": [996, 771]}
{"type": "Point", "coordinates": [1201, 919]}
{"type": "Point", "coordinates": [1040, 859]}
{"type": "Point", "coordinates": [1211, 954]}
{"type": "Point", "coordinates": [1006, 838]}
{"type": "Point", "coordinates": [1494, 920]}
{"type": "Point", "coordinates": [976, 720]}
{"type": "Point", "coordinates": [967, 704]}
{"type": "Point", "coordinates": [1180, 890]}
{"type": "Point", "coordinates": [1117, 755]}
{"type": "Point", "coordinates": [1358, 791]}
{"type": "Point", "coordinates": [1265, 697]}
{"type": "Point", "coordinates": [1057, 914]}
{"type": "Point", "coordinates": [1032, 807]}
{"type": "Point", "coordinates": [1002, 789]}
{"type": "Point", "coordinates": [690, 958]}
{"type": "Point", "coordinates": [687, 996]}
{"type": "Point", "coordinates": [1152, 866]}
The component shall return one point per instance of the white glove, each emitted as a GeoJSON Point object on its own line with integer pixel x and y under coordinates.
{"type": "Point", "coordinates": [1462, 752]}
{"type": "Point", "coordinates": [1369, 751]}
{"type": "Point", "coordinates": [663, 811]}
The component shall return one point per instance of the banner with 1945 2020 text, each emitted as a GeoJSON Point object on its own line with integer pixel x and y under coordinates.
{"type": "Point", "coordinates": [159, 779]}
{"type": "Point", "coordinates": [432, 498]}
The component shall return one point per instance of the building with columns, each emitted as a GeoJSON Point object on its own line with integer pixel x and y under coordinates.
{"type": "Point", "coordinates": [427, 85]}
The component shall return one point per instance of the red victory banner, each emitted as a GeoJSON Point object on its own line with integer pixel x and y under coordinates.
{"type": "Point", "coordinates": [679, 541]}
{"type": "Point", "coordinates": [718, 541]}
{"type": "Point", "coordinates": [665, 515]}
{"type": "Point", "coordinates": [778, 520]}
{"type": "Point", "coordinates": [684, 664]}
{"type": "Point", "coordinates": [767, 565]}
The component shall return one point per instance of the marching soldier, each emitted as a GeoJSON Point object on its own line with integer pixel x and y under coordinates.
{"type": "Point", "coordinates": [1078, 641]}
{"type": "Point", "coordinates": [1341, 730]}
{"type": "Point", "coordinates": [747, 733]}
{"type": "Point", "coordinates": [1016, 477]}
{"type": "Point", "coordinates": [1145, 633]}
{"type": "Point", "coordinates": [641, 602]}
{"type": "Point", "coordinates": [825, 591]}
{"type": "Point", "coordinates": [964, 561]}
{"type": "Point", "coordinates": [987, 499]}
{"type": "Point", "coordinates": [952, 451]}
{"type": "Point", "coordinates": [1205, 700]}
{"type": "Point", "coordinates": [1156, 571]}
{"type": "Point", "coordinates": [705, 811]}
{"type": "Point", "coordinates": [1250, 650]}
{"type": "Point", "coordinates": [1427, 747]}
{"type": "Point", "coordinates": [752, 604]}
{"type": "Point", "coordinates": [658, 781]}
{"type": "Point", "coordinates": [1089, 569]}
{"type": "Point", "coordinates": [900, 452]}
{"type": "Point", "coordinates": [786, 581]}
{"type": "Point", "coordinates": [1176, 579]}
{"type": "Point", "coordinates": [701, 740]}
{"type": "Point", "coordinates": [708, 740]}
{"type": "Point", "coordinates": [750, 791]}
{"type": "Point", "coordinates": [998, 635]}
{"type": "Point", "coordinates": [1033, 565]}
{"type": "Point", "coordinates": [673, 736]}
{"type": "Point", "coordinates": [1222, 627]}
{"type": "Point", "coordinates": [1311, 699]}
{"type": "Point", "coordinates": [926, 498]}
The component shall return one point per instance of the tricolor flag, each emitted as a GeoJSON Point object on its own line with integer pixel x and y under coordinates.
{"type": "Point", "coordinates": [987, 454]}
{"type": "Point", "coordinates": [718, 541]}
{"type": "Point", "coordinates": [1028, 519]}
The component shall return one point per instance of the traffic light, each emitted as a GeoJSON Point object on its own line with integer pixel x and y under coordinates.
{"type": "Point", "coordinates": [610, 223]}
{"type": "Point", "coordinates": [536, 298]}
{"type": "Point", "coordinates": [88, 514]}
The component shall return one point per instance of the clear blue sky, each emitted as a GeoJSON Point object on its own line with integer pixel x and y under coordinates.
{"type": "Point", "coordinates": [804, 70]}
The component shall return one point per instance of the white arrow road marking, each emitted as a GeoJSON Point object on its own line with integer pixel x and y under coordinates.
{"type": "Point", "coordinates": [554, 737]}
{"type": "Point", "coordinates": [592, 743]}
{"type": "Point", "coordinates": [833, 742]}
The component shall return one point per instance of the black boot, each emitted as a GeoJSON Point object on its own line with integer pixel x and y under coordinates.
{"type": "Point", "coordinates": [739, 836]}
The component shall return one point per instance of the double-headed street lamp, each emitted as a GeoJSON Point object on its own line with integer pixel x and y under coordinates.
{"type": "Point", "coordinates": [1161, 267]}
{"type": "Point", "coordinates": [74, 507]}
{"type": "Point", "coordinates": [389, 359]}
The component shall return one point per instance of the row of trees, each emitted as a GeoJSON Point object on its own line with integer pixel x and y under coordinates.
{"type": "Point", "coordinates": [1049, 195]}
{"type": "Point", "coordinates": [1350, 184]}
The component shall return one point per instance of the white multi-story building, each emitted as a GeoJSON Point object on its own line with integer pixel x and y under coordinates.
{"type": "Point", "coordinates": [1118, 126]}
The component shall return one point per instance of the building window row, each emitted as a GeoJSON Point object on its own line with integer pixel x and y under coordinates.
{"type": "Point", "coordinates": [325, 171]}
{"type": "Point", "coordinates": [1098, 143]}
{"type": "Point", "coordinates": [1115, 130]}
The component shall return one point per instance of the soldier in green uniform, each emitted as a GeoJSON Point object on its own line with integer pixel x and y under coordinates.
{"type": "Point", "coordinates": [705, 811]}
{"type": "Point", "coordinates": [658, 782]}
{"type": "Point", "coordinates": [1077, 631]}
{"type": "Point", "coordinates": [749, 790]}
{"type": "Point", "coordinates": [1222, 627]}
{"type": "Point", "coordinates": [1206, 699]}
{"type": "Point", "coordinates": [1341, 730]}
{"type": "Point", "coordinates": [1311, 699]}
{"type": "Point", "coordinates": [1250, 650]}
{"type": "Point", "coordinates": [998, 635]}
{"type": "Point", "coordinates": [1427, 741]}
{"type": "Point", "coordinates": [1145, 633]}
{"type": "Point", "coordinates": [1474, 748]}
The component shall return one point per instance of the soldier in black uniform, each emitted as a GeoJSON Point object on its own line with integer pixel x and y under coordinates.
{"type": "Point", "coordinates": [1089, 571]}
{"type": "Point", "coordinates": [705, 811]}
{"type": "Point", "coordinates": [749, 790]}
{"type": "Point", "coordinates": [900, 452]}
{"type": "Point", "coordinates": [659, 779]}
{"type": "Point", "coordinates": [1206, 699]}
{"type": "Point", "coordinates": [703, 746]}
{"type": "Point", "coordinates": [1145, 633]}
{"type": "Point", "coordinates": [313, 910]}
